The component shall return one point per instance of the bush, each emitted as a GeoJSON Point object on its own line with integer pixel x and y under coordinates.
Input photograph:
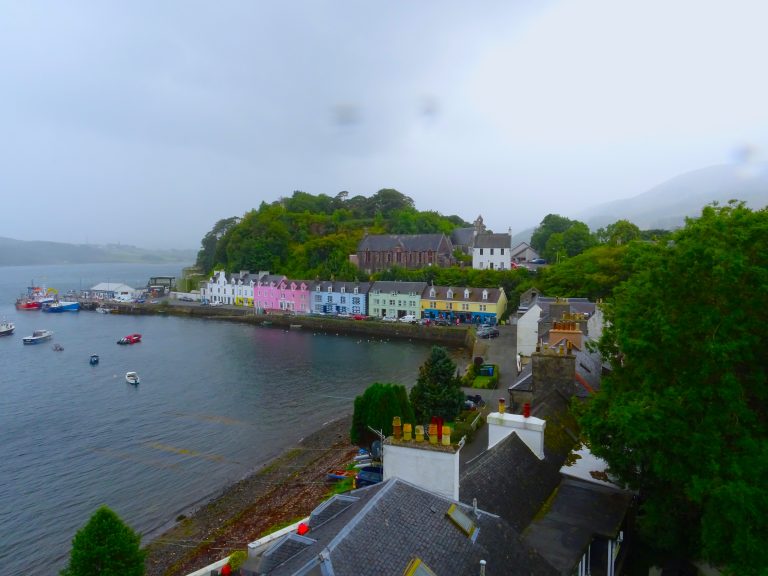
{"type": "Point", "coordinates": [237, 559]}
{"type": "Point", "coordinates": [463, 426]}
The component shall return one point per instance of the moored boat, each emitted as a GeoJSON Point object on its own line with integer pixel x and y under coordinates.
{"type": "Point", "coordinates": [132, 378]}
{"type": "Point", "coordinates": [38, 336]}
{"type": "Point", "coordinates": [6, 328]}
{"type": "Point", "coordinates": [130, 339]}
{"type": "Point", "coordinates": [94, 359]}
{"type": "Point", "coordinates": [61, 306]}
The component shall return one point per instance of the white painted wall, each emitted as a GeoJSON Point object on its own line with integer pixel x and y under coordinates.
{"type": "Point", "coordinates": [528, 330]}
{"type": "Point", "coordinates": [595, 324]}
{"type": "Point", "coordinates": [530, 430]}
{"type": "Point", "coordinates": [432, 470]}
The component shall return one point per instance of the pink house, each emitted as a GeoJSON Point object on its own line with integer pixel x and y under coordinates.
{"type": "Point", "coordinates": [276, 293]}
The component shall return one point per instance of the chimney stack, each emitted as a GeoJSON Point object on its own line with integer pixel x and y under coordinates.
{"type": "Point", "coordinates": [397, 428]}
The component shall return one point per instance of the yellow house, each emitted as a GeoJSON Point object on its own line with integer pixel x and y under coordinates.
{"type": "Point", "coordinates": [463, 304]}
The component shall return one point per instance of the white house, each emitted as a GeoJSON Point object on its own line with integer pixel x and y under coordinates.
{"type": "Point", "coordinates": [523, 252]}
{"type": "Point", "coordinates": [528, 330]}
{"type": "Point", "coordinates": [234, 289]}
{"type": "Point", "coordinates": [492, 251]}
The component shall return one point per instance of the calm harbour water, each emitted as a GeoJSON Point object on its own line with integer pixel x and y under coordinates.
{"type": "Point", "coordinates": [216, 401]}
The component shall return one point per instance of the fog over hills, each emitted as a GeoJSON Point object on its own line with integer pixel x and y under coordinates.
{"type": "Point", "coordinates": [21, 252]}
{"type": "Point", "coordinates": [666, 205]}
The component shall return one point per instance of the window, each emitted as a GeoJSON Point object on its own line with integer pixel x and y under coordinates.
{"type": "Point", "coordinates": [318, 298]}
{"type": "Point", "coordinates": [502, 251]}
{"type": "Point", "coordinates": [355, 300]}
{"type": "Point", "coordinates": [481, 251]}
{"type": "Point", "coordinates": [343, 300]}
{"type": "Point", "coordinates": [449, 306]}
{"type": "Point", "coordinates": [329, 299]}
{"type": "Point", "coordinates": [491, 251]}
{"type": "Point", "coordinates": [391, 302]}
{"type": "Point", "coordinates": [485, 294]}
{"type": "Point", "coordinates": [432, 292]}
{"type": "Point", "coordinates": [343, 289]}
{"type": "Point", "coordinates": [416, 567]}
{"type": "Point", "coordinates": [466, 293]}
{"type": "Point", "coordinates": [357, 290]}
{"type": "Point", "coordinates": [461, 520]}
{"type": "Point", "coordinates": [465, 307]}
{"type": "Point", "coordinates": [330, 288]}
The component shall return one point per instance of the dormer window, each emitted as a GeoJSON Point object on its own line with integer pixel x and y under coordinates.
{"type": "Point", "coordinates": [432, 292]}
{"type": "Point", "coordinates": [330, 289]}
{"type": "Point", "coordinates": [466, 293]}
{"type": "Point", "coordinates": [485, 294]}
{"type": "Point", "coordinates": [356, 289]}
{"type": "Point", "coordinates": [343, 289]}
{"type": "Point", "coordinates": [317, 288]}
{"type": "Point", "coordinates": [449, 294]}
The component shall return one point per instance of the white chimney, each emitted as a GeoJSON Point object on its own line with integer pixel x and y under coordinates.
{"type": "Point", "coordinates": [530, 430]}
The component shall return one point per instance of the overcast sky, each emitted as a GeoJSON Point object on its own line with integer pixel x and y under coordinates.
{"type": "Point", "coordinates": [145, 122]}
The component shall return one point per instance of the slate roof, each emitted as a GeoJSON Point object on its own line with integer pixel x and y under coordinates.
{"type": "Point", "coordinates": [387, 287]}
{"type": "Point", "coordinates": [111, 287]}
{"type": "Point", "coordinates": [463, 236]}
{"type": "Point", "coordinates": [580, 305]}
{"type": "Point", "coordinates": [579, 511]}
{"type": "Point", "coordinates": [349, 287]}
{"type": "Point", "coordinates": [394, 522]}
{"type": "Point", "coordinates": [524, 381]}
{"type": "Point", "coordinates": [406, 242]}
{"type": "Point", "coordinates": [269, 279]}
{"type": "Point", "coordinates": [510, 480]}
{"type": "Point", "coordinates": [490, 240]}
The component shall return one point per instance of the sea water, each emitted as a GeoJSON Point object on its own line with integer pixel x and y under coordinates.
{"type": "Point", "coordinates": [216, 400]}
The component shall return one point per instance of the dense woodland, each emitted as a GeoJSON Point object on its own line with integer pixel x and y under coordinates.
{"type": "Point", "coordinates": [309, 237]}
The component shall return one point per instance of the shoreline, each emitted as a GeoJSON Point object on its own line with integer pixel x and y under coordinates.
{"type": "Point", "coordinates": [283, 490]}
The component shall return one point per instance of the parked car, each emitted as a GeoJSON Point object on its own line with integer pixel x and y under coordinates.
{"type": "Point", "coordinates": [538, 261]}
{"type": "Point", "coordinates": [441, 322]}
{"type": "Point", "coordinates": [360, 317]}
{"type": "Point", "coordinates": [409, 318]}
{"type": "Point", "coordinates": [216, 304]}
{"type": "Point", "coordinates": [490, 332]}
{"type": "Point", "coordinates": [388, 319]}
{"type": "Point", "coordinates": [368, 476]}
{"type": "Point", "coordinates": [186, 298]}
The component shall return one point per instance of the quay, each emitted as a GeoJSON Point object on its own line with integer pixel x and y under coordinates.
{"type": "Point", "coordinates": [461, 335]}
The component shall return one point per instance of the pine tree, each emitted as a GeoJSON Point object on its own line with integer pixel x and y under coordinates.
{"type": "Point", "coordinates": [105, 546]}
{"type": "Point", "coordinates": [437, 391]}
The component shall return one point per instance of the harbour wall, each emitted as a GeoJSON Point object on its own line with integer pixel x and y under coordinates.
{"type": "Point", "coordinates": [461, 336]}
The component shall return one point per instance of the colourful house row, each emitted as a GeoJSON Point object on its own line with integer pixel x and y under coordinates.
{"type": "Point", "coordinates": [274, 293]}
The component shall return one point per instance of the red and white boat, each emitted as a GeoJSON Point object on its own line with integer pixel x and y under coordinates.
{"type": "Point", "coordinates": [35, 298]}
{"type": "Point", "coordinates": [130, 339]}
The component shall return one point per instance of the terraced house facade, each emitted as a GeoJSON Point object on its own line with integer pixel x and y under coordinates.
{"type": "Point", "coordinates": [463, 305]}
{"type": "Point", "coordinates": [395, 299]}
{"type": "Point", "coordinates": [329, 297]}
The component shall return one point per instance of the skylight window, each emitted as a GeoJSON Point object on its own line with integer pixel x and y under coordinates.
{"type": "Point", "coordinates": [416, 567]}
{"type": "Point", "coordinates": [461, 520]}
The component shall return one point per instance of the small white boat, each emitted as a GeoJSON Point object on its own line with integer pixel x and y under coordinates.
{"type": "Point", "coordinates": [38, 336]}
{"type": "Point", "coordinates": [132, 378]}
{"type": "Point", "coordinates": [6, 328]}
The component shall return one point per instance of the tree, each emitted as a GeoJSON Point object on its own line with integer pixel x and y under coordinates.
{"type": "Point", "coordinates": [619, 233]}
{"type": "Point", "coordinates": [437, 391]}
{"type": "Point", "coordinates": [376, 407]}
{"type": "Point", "coordinates": [206, 257]}
{"type": "Point", "coordinates": [551, 224]}
{"type": "Point", "coordinates": [105, 546]}
{"type": "Point", "coordinates": [683, 416]}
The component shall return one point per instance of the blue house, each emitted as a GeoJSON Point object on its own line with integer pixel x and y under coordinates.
{"type": "Point", "coordinates": [329, 297]}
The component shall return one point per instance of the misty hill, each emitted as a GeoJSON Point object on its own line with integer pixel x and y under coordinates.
{"type": "Point", "coordinates": [666, 205]}
{"type": "Point", "coordinates": [21, 252]}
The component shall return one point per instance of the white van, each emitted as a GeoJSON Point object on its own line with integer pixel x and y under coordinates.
{"type": "Point", "coordinates": [410, 318]}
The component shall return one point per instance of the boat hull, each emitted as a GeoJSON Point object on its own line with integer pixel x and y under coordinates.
{"type": "Point", "coordinates": [37, 339]}
{"type": "Point", "coordinates": [62, 307]}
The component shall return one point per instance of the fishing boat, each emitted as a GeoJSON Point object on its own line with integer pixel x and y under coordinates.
{"type": "Point", "coordinates": [61, 306]}
{"type": "Point", "coordinates": [130, 339]}
{"type": "Point", "coordinates": [6, 328]}
{"type": "Point", "coordinates": [132, 378]}
{"type": "Point", "coordinates": [38, 336]}
{"type": "Point", "coordinates": [94, 359]}
{"type": "Point", "coordinates": [35, 298]}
